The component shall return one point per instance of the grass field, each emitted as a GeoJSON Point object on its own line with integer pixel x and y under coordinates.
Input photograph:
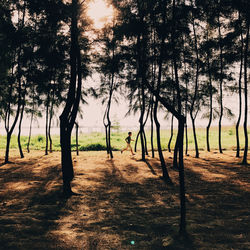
{"type": "Point", "coordinates": [96, 140]}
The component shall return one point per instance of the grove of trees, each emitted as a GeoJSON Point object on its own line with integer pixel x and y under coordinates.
{"type": "Point", "coordinates": [182, 56]}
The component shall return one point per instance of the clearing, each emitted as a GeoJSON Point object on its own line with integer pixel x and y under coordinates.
{"type": "Point", "coordinates": [123, 203]}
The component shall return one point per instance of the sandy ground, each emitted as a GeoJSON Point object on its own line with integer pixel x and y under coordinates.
{"type": "Point", "coordinates": [123, 203]}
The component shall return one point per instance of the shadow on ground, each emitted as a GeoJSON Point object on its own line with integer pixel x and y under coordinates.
{"type": "Point", "coordinates": [124, 204]}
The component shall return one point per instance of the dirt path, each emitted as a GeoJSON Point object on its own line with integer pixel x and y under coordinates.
{"type": "Point", "coordinates": [122, 203]}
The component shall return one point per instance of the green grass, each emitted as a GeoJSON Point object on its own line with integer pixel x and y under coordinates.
{"type": "Point", "coordinates": [96, 140]}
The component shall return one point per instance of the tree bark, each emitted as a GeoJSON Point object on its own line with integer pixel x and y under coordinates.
{"type": "Point", "coordinates": [182, 229]}
{"type": "Point", "coordinates": [77, 144]}
{"type": "Point", "coordinates": [141, 124]}
{"type": "Point", "coordinates": [165, 174]}
{"type": "Point", "coordinates": [240, 96]}
{"type": "Point", "coordinates": [221, 86]}
{"type": "Point", "coordinates": [171, 133]}
{"type": "Point", "coordinates": [47, 124]}
{"type": "Point", "coordinates": [68, 116]}
{"type": "Point", "coordinates": [152, 128]}
{"type": "Point", "coordinates": [136, 140]}
{"type": "Point", "coordinates": [109, 127]}
{"type": "Point", "coordinates": [195, 90]}
{"type": "Point", "coordinates": [210, 100]}
{"type": "Point", "coordinates": [195, 138]}
{"type": "Point", "coordinates": [244, 161]}
{"type": "Point", "coordinates": [19, 131]}
{"type": "Point", "coordinates": [50, 119]}
{"type": "Point", "coordinates": [31, 120]}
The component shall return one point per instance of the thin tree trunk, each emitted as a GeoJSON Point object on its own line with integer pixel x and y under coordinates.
{"type": "Point", "coordinates": [152, 128]}
{"type": "Point", "coordinates": [47, 125]}
{"type": "Point", "coordinates": [77, 144]}
{"type": "Point", "coordinates": [181, 120]}
{"type": "Point", "coordinates": [171, 133]}
{"type": "Point", "coordinates": [136, 140]}
{"type": "Point", "coordinates": [210, 107]}
{"type": "Point", "coordinates": [240, 97]}
{"type": "Point", "coordinates": [109, 128]}
{"type": "Point", "coordinates": [19, 131]}
{"type": "Point", "coordinates": [49, 134]}
{"type": "Point", "coordinates": [210, 99]}
{"type": "Point", "coordinates": [31, 120]}
{"type": "Point", "coordinates": [221, 86]}
{"type": "Point", "coordinates": [141, 125]}
{"type": "Point", "coordinates": [10, 131]}
{"type": "Point", "coordinates": [195, 90]}
{"type": "Point", "coordinates": [244, 161]}
{"type": "Point", "coordinates": [165, 174]}
{"type": "Point", "coordinates": [50, 119]}
{"type": "Point", "coordinates": [182, 229]}
{"type": "Point", "coordinates": [172, 119]}
{"type": "Point", "coordinates": [195, 137]}
{"type": "Point", "coordinates": [144, 136]}
{"type": "Point", "coordinates": [186, 133]}
{"type": "Point", "coordinates": [106, 130]}
{"type": "Point", "coordinates": [145, 142]}
{"type": "Point", "coordinates": [107, 142]}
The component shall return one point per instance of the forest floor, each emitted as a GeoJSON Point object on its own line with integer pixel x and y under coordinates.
{"type": "Point", "coordinates": [123, 203]}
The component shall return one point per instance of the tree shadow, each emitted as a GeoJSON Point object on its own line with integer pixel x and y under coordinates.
{"type": "Point", "coordinates": [31, 203]}
{"type": "Point", "coordinates": [151, 168]}
{"type": "Point", "coordinates": [119, 210]}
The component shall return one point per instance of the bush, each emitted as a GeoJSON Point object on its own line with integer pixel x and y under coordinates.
{"type": "Point", "coordinates": [94, 147]}
{"type": "Point", "coordinates": [40, 138]}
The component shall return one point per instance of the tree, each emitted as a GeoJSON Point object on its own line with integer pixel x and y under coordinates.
{"type": "Point", "coordinates": [68, 116]}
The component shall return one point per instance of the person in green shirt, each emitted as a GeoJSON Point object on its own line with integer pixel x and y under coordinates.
{"type": "Point", "coordinates": [128, 140]}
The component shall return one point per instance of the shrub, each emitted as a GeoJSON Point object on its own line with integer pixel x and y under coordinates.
{"type": "Point", "coordinates": [40, 138]}
{"type": "Point", "coordinates": [94, 147]}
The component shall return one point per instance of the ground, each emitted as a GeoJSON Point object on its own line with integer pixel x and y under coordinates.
{"type": "Point", "coordinates": [123, 203]}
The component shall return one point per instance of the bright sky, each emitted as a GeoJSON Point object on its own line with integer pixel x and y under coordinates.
{"type": "Point", "coordinates": [99, 12]}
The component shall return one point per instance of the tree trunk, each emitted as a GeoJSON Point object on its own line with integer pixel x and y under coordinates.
{"type": "Point", "coordinates": [19, 131]}
{"type": "Point", "coordinates": [244, 161]}
{"type": "Point", "coordinates": [221, 86]}
{"type": "Point", "coordinates": [7, 147]}
{"type": "Point", "coordinates": [145, 142]}
{"type": "Point", "coordinates": [152, 129]}
{"type": "Point", "coordinates": [106, 129]}
{"type": "Point", "coordinates": [195, 90]}
{"type": "Point", "coordinates": [49, 135]}
{"type": "Point", "coordinates": [171, 133]}
{"type": "Point", "coordinates": [165, 174]}
{"type": "Point", "coordinates": [50, 120]}
{"type": "Point", "coordinates": [10, 131]}
{"type": "Point", "coordinates": [108, 118]}
{"type": "Point", "coordinates": [210, 100]}
{"type": "Point", "coordinates": [210, 108]}
{"type": "Point", "coordinates": [182, 229]}
{"type": "Point", "coordinates": [240, 97]}
{"type": "Point", "coordinates": [136, 140]}
{"type": "Point", "coordinates": [47, 125]}
{"type": "Point", "coordinates": [68, 116]}
{"type": "Point", "coordinates": [67, 164]}
{"type": "Point", "coordinates": [31, 120]}
{"type": "Point", "coordinates": [195, 137]}
{"type": "Point", "coordinates": [77, 145]}
{"type": "Point", "coordinates": [106, 135]}
{"type": "Point", "coordinates": [141, 125]}
{"type": "Point", "coordinates": [186, 133]}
